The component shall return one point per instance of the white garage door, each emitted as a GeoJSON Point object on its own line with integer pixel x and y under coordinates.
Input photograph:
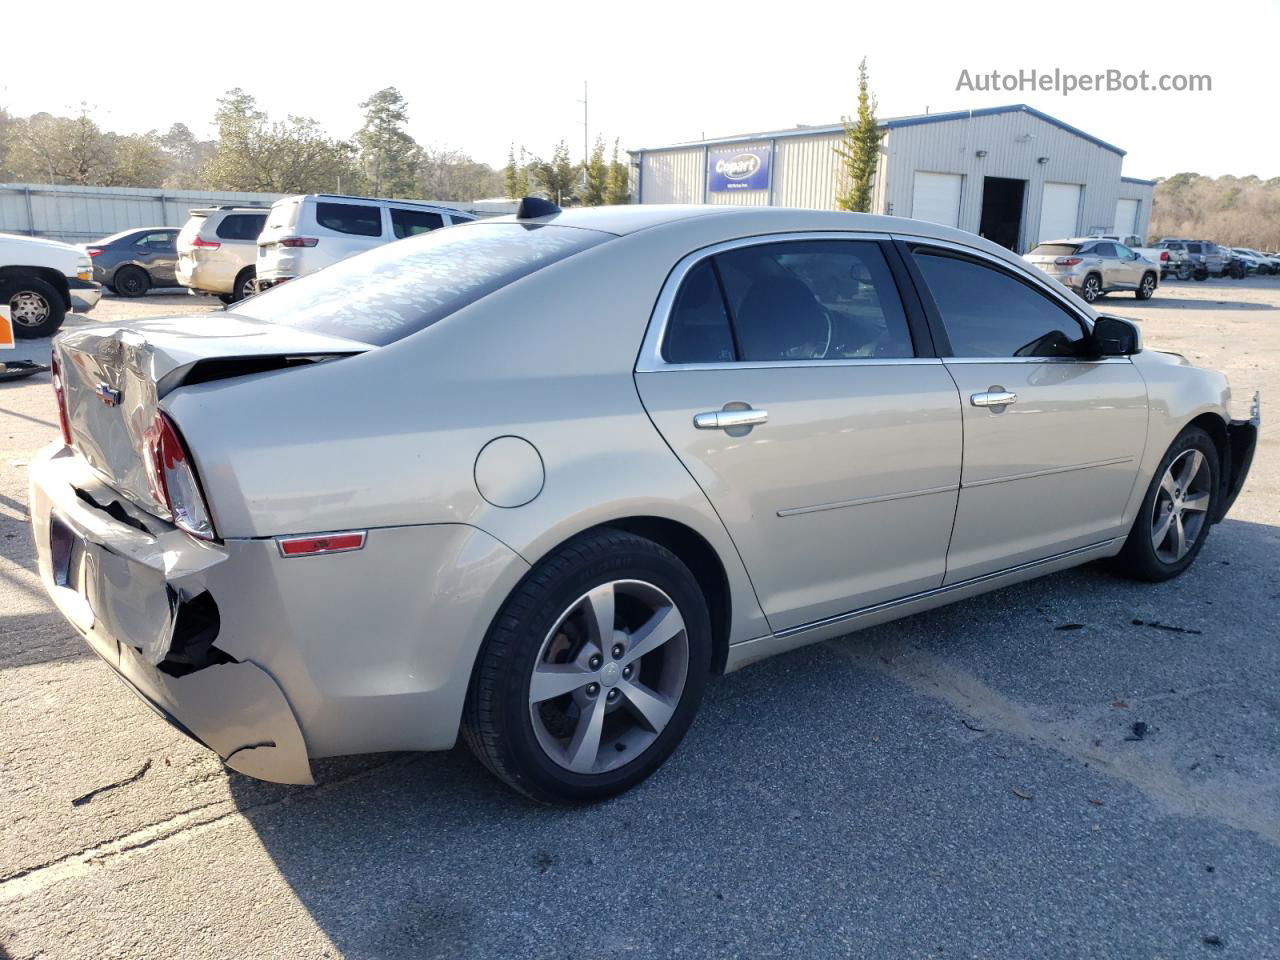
{"type": "Point", "coordinates": [936, 198]}
{"type": "Point", "coordinates": [1126, 217]}
{"type": "Point", "coordinates": [1059, 211]}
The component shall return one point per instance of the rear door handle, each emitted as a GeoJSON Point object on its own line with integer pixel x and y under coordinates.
{"type": "Point", "coordinates": [728, 419]}
{"type": "Point", "coordinates": [994, 398]}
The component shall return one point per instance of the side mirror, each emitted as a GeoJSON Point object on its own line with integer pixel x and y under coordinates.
{"type": "Point", "coordinates": [1114, 337]}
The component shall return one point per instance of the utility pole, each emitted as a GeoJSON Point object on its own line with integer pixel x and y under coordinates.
{"type": "Point", "coordinates": [586, 141]}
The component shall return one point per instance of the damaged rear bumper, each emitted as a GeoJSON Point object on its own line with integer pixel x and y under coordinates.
{"type": "Point", "coordinates": [132, 586]}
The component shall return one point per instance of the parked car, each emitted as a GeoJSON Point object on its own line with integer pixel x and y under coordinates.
{"type": "Point", "coordinates": [218, 251]}
{"type": "Point", "coordinates": [1092, 267]}
{"type": "Point", "coordinates": [40, 280]}
{"type": "Point", "coordinates": [1252, 262]}
{"type": "Point", "coordinates": [536, 478]}
{"type": "Point", "coordinates": [1170, 261]}
{"type": "Point", "coordinates": [1267, 263]}
{"type": "Point", "coordinates": [131, 262]}
{"type": "Point", "coordinates": [1206, 259]}
{"type": "Point", "coordinates": [305, 233]}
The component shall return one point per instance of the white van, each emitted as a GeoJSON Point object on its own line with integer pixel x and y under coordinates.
{"type": "Point", "coordinates": [308, 232]}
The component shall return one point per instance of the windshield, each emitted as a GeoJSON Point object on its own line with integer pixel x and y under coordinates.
{"type": "Point", "coordinates": [399, 288]}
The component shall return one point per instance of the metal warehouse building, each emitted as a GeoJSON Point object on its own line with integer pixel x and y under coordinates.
{"type": "Point", "coordinates": [1012, 174]}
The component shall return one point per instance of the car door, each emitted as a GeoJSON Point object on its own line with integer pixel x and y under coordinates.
{"type": "Point", "coordinates": [161, 255]}
{"type": "Point", "coordinates": [798, 387]}
{"type": "Point", "coordinates": [1130, 266]}
{"type": "Point", "coordinates": [1113, 273]}
{"type": "Point", "coordinates": [1052, 437]}
{"type": "Point", "coordinates": [409, 222]}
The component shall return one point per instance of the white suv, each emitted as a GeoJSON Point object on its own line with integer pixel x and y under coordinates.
{"type": "Point", "coordinates": [308, 232]}
{"type": "Point", "coordinates": [217, 249]}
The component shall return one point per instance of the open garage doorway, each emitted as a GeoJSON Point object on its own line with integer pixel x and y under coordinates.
{"type": "Point", "coordinates": [1002, 211]}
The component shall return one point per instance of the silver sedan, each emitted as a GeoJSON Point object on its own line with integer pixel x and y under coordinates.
{"type": "Point", "coordinates": [536, 479]}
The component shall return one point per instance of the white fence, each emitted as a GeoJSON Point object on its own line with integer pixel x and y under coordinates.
{"type": "Point", "coordinates": [77, 214]}
{"type": "Point", "coordinates": [80, 214]}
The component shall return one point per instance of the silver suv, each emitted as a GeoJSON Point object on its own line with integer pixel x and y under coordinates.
{"type": "Point", "coordinates": [218, 251]}
{"type": "Point", "coordinates": [1091, 267]}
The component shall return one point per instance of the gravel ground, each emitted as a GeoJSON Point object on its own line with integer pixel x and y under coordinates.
{"type": "Point", "coordinates": [963, 783]}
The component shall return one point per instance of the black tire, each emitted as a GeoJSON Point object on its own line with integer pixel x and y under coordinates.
{"type": "Point", "coordinates": [36, 309]}
{"type": "Point", "coordinates": [1147, 287]}
{"type": "Point", "coordinates": [242, 288]}
{"type": "Point", "coordinates": [131, 281]}
{"type": "Point", "coordinates": [1139, 559]}
{"type": "Point", "coordinates": [497, 722]}
{"type": "Point", "coordinates": [1237, 272]}
{"type": "Point", "coordinates": [1183, 272]}
{"type": "Point", "coordinates": [1201, 274]}
{"type": "Point", "coordinates": [1091, 289]}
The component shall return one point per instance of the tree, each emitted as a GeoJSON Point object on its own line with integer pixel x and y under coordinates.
{"type": "Point", "coordinates": [595, 177]}
{"type": "Point", "coordinates": [388, 155]}
{"type": "Point", "coordinates": [859, 151]}
{"type": "Point", "coordinates": [53, 149]}
{"type": "Point", "coordinates": [136, 160]}
{"type": "Point", "coordinates": [453, 175]}
{"type": "Point", "coordinates": [618, 189]}
{"type": "Point", "coordinates": [522, 174]}
{"type": "Point", "coordinates": [511, 174]}
{"type": "Point", "coordinates": [290, 156]}
{"type": "Point", "coordinates": [558, 176]}
{"type": "Point", "coordinates": [186, 156]}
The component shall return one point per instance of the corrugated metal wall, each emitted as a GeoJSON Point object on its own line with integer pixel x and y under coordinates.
{"type": "Point", "coordinates": [1144, 193]}
{"type": "Point", "coordinates": [77, 214]}
{"type": "Point", "coordinates": [672, 176]}
{"type": "Point", "coordinates": [806, 172]}
{"type": "Point", "coordinates": [1013, 142]}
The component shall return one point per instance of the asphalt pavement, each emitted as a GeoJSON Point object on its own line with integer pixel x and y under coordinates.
{"type": "Point", "coordinates": [1079, 766]}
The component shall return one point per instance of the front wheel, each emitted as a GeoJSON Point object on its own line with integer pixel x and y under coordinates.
{"type": "Point", "coordinates": [1147, 288]}
{"type": "Point", "coordinates": [36, 309]}
{"type": "Point", "coordinates": [1177, 511]}
{"type": "Point", "coordinates": [592, 671]}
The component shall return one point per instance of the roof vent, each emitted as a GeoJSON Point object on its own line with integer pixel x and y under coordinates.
{"type": "Point", "coordinates": [533, 207]}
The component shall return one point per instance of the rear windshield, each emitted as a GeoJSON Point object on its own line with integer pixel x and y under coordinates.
{"type": "Point", "coordinates": [399, 288]}
{"type": "Point", "coordinates": [1055, 249]}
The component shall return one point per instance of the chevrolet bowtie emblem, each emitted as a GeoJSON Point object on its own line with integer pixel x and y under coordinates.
{"type": "Point", "coordinates": [108, 395]}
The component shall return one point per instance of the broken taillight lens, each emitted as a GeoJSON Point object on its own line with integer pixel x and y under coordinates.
{"type": "Point", "coordinates": [173, 479]}
{"type": "Point", "coordinates": [62, 400]}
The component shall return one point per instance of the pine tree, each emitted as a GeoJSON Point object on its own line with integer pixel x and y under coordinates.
{"type": "Point", "coordinates": [618, 190]}
{"type": "Point", "coordinates": [522, 174]}
{"type": "Point", "coordinates": [596, 180]}
{"type": "Point", "coordinates": [511, 174]}
{"type": "Point", "coordinates": [388, 155]}
{"type": "Point", "coordinates": [859, 151]}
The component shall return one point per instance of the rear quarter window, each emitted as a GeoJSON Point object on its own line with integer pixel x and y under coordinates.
{"type": "Point", "coordinates": [356, 219]}
{"type": "Point", "coordinates": [397, 289]}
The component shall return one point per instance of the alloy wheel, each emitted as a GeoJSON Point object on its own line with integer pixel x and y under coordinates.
{"type": "Point", "coordinates": [1148, 287]}
{"type": "Point", "coordinates": [1181, 506]}
{"type": "Point", "coordinates": [609, 676]}
{"type": "Point", "coordinates": [28, 308]}
{"type": "Point", "coordinates": [1090, 289]}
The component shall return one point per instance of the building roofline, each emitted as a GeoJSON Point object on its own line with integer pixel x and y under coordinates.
{"type": "Point", "coordinates": [890, 124]}
{"type": "Point", "coordinates": [1145, 183]}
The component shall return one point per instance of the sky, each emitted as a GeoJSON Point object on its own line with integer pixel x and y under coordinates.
{"type": "Point", "coordinates": [482, 76]}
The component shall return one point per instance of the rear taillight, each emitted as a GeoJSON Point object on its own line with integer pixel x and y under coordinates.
{"type": "Point", "coordinates": [173, 481]}
{"type": "Point", "coordinates": [298, 241]}
{"type": "Point", "coordinates": [1066, 261]}
{"type": "Point", "coordinates": [1164, 256]}
{"type": "Point", "coordinates": [206, 244]}
{"type": "Point", "coordinates": [93, 251]}
{"type": "Point", "coordinates": [62, 400]}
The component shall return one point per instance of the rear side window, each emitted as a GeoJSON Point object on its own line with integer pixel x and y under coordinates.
{"type": "Point", "coordinates": [408, 223]}
{"type": "Point", "coordinates": [353, 218]}
{"type": "Point", "coordinates": [1104, 250]}
{"type": "Point", "coordinates": [988, 313]}
{"type": "Point", "coordinates": [241, 226]}
{"type": "Point", "coordinates": [698, 329]}
{"type": "Point", "coordinates": [1193, 248]}
{"type": "Point", "coordinates": [397, 289]}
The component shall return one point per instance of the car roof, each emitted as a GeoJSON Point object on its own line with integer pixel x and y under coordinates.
{"type": "Point", "coordinates": [348, 198]}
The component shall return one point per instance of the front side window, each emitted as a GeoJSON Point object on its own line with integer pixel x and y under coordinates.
{"type": "Point", "coordinates": [794, 300]}
{"type": "Point", "coordinates": [409, 223]}
{"type": "Point", "coordinates": [989, 313]}
{"type": "Point", "coordinates": [396, 289]}
{"type": "Point", "coordinates": [241, 226]}
{"type": "Point", "coordinates": [1124, 253]}
{"type": "Point", "coordinates": [357, 219]}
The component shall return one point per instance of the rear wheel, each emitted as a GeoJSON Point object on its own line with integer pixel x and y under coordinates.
{"type": "Point", "coordinates": [35, 307]}
{"type": "Point", "coordinates": [592, 671]}
{"type": "Point", "coordinates": [244, 285]}
{"type": "Point", "coordinates": [1182, 271]}
{"type": "Point", "coordinates": [1201, 273]}
{"type": "Point", "coordinates": [1176, 513]}
{"type": "Point", "coordinates": [132, 281]}
{"type": "Point", "coordinates": [1092, 288]}
{"type": "Point", "coordinates": [1147, 287]}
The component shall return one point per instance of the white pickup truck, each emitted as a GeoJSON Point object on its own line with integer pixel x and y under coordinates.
{"type": "Point", "coordinates": [40, 280]}
{"type": "Point", "coordinates": [1173, 261]}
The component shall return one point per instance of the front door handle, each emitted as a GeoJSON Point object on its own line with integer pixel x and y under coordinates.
{"type": "Point", "coordinates": [728, 419]}
{"type": "Point", "coordinates": [993, 398]}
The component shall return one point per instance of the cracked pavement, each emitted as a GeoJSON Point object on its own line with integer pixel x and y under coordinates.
{"type": "Point", "coordinates": [966, 782]}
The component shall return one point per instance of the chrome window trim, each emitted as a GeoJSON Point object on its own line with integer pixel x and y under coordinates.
{"type": "Point", "coordinates": [651, 359]}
